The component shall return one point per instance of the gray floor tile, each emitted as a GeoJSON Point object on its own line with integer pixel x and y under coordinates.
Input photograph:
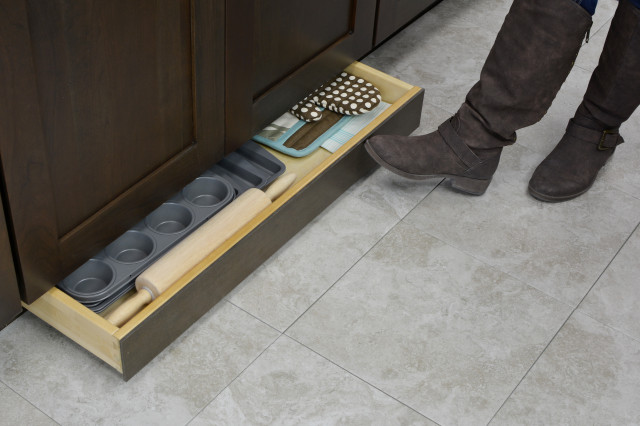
{"type": "Point", "coordinates": [291, 385]}
{"type": "Point", "coordinates": [73, 387]}
{"type": "Point", "coordinates": [623, 169]}
{"type": "Point", "coordinates": [590, 52]}
{"type": "Point", "coordinates": [604, 12]}
{"type": "Point", "coordinates": [302, 270]}
{"type": "Point", "coordinates": [488, 14]}
{"type": "Point", "coordinates": [440, 52]}
{"type": "Point", "coordinates": [560, 249]}
{"type": "Point", "coordinates": [438, 330]}
{"type": "Point", "coordinates": [615, 299]}
{"type": "Point", "coordinates": [15, 410]}
{"type": "Point", "coordinates": [589, 374]}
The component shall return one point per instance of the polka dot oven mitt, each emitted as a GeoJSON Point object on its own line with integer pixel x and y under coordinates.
{"type": "Point", "coordinates": [305, 110]}
{"type": "Point", "coordinates": [346, 94]}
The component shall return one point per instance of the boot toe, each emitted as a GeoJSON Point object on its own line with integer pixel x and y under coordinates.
{"type": "Point", "coordinates": [551, 185]}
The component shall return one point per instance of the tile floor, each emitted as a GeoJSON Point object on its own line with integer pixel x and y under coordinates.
{"type": "Point", "coordinates": [404, 302]}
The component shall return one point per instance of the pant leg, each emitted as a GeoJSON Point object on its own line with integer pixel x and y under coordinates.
{"type": "Point", "coordinates": [590, 5]}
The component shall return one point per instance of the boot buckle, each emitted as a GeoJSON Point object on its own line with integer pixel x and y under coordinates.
{"type": "Point", "coordinates": [603, 145]}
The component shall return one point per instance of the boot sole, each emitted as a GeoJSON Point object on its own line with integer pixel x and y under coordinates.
{"type": "Point", "coordinates": [552, 199]}
{"type": "Point", "coordinates": [461, 183]}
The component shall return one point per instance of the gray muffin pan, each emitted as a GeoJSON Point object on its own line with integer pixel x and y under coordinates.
{"type": "Point", "coordinates": [112, 272]}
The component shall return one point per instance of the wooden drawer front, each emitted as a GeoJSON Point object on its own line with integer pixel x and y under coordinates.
{"type": "Point", "coordinates": [322, 177]}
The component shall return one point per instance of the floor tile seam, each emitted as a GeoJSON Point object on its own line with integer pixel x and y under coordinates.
{"type": "Point", "coordinates": [609, 326]}
{"type": "Point", "coordinates": [361, 379]}
{"type": "Point", "coordinates": [574, 310]}
{"type": "Point", "coordinates": [593, 33]}
{"type": "Point", "coordinates": [29, 402]}
{"type": "Point", "coordinates": [254, 316]}
{"type": "Point", "coordinates": [615, 185]}
{"type": "Point", "coordinates": [624, 243]}
{"type": "Point", "coordinates": [584, 69]}
{"type": "Point", "coordinates": [234, 379]}
{"type": "Point", "coordinates": [584, 312]}
{"type": "Point", "coordinates": [400, 220]}
{"type": "Point", "coordinates": [533, 364]}
{"type": "Point", "coordinates": [495, 268]}
{"type": "Point", "coordinates": [340, 278]}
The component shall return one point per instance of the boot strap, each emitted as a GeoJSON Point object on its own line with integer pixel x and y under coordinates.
{"type": "Point", "coordinates": [457, 145]}
{"type": "Point", "coordinates": [605, 139]}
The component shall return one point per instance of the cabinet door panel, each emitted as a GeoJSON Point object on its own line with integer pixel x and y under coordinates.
{"type": "Point", "coordinates": [109, 75]}
{"type": "Point", "coordinates": [289, 34]}
{"type": "Point", "coordinates": [287, 48]}
{"type": "Point", "coordinates": [113, 105]}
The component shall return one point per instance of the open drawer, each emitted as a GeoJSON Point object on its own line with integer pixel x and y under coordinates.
{"type": "Point", "coordinates": [321, 178]}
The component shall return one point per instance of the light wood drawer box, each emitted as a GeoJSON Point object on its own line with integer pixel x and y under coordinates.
{"type": "Point", "coordinates": [322, 177]}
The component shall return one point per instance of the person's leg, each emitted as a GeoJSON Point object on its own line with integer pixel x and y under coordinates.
{"type": "Point", "coordinates": [530, 59]}
{"type": "Point", "coordinates": [592, 135]}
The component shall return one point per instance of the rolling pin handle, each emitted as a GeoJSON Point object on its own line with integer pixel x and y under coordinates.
{"type": "Point", "coordinates": [280, 185]}
{"type": "Point", "coordinates": [130, 307]}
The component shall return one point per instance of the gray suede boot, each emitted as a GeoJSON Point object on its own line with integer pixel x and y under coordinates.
{"type": "Point", "coordinates": [530, 59]}
{"type": "Point", "coordinates": [592, 134]}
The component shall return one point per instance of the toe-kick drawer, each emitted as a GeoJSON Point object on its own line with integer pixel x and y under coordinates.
{"type": "Point", "coordinates": [321, 178]}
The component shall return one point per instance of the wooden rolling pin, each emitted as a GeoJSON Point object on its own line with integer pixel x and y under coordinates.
{"type": "Point", "coordinates": [195, 247]}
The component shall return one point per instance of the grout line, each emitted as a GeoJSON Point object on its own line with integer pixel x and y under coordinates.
{"type": "Point", "coordinates": [29, 402]}
{"type": "Point", "coordinates": [400, 220]}
{"type": "Point", "coordinates": [612, 328]}
{"type": "Point", "coordinates": [254, 316]}
{"type": "Point", "coordinates": [362, 380]}
{"type": "Point", "coordinates": [233, 380]}
{"type": "Point", "coordinates": [340, 278]}
{"type": "Point", "coordinates": [563, 324]}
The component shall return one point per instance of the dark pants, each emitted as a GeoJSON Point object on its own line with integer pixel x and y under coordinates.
{"type": "Point", "coordinates": [590, 5]}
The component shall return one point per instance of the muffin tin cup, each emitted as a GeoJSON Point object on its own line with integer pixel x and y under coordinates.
{"type": "Point", "coordinates": [112, 272]}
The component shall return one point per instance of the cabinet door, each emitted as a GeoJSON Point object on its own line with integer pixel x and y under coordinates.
{"type": "Point", "coordinates": [393, 14]}
{"type": "Point", "coordinates": [109, 107]}
{"type": "Point", "coordinates": [278, 51]}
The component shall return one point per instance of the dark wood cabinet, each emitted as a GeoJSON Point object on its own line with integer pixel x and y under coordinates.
{"type": "Point", "coordinates": [111, 106]}
{"type": "Point", "coordinates": [9, 297]}
{"type": "Point", "coordinates": [288, 48]}
{"type": "Point", "coordinates": [393, 14]}
{"type": "Point", "coordinates": [108, 108]}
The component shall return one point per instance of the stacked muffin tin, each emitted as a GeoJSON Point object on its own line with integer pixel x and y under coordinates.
{"type": "Point", "coordinates": [112, 272]}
